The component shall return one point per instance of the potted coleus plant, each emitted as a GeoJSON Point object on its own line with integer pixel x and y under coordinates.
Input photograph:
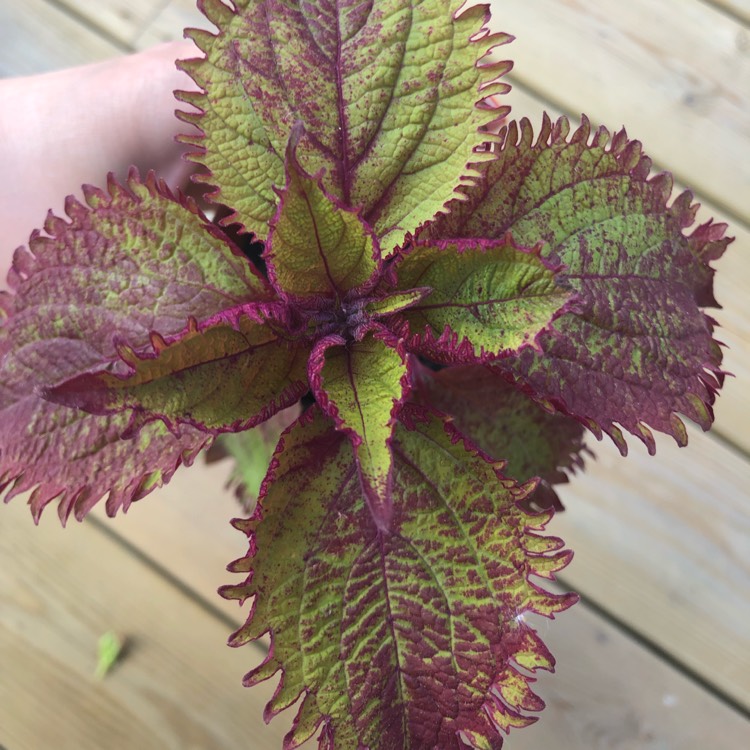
{"type": "Point", "coordinates": [451, 300]}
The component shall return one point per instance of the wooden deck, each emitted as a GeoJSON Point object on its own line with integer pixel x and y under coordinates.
{"type": "Point", "coordinates": [656, 657]}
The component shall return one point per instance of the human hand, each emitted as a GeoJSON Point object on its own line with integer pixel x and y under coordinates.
{"type": "Point", "coordinates": [70, 127]}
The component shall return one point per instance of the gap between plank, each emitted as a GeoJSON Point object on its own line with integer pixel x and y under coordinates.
{"type": "Point", "coordinates": [719, 8]}
{"type": "Point", "coordinates": [86, 22]}
{"type": "Point", "coordinates": [656, 650]}
{"type": "Point", "coordinates": [194, 596]}
{"type": "Point", "coordinates": [586, 603]}
{"type": "Point", "coordinates": [152, 17]}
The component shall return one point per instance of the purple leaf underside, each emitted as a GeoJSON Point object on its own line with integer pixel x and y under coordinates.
{"type": "Point", "coordinates": [507, 425]}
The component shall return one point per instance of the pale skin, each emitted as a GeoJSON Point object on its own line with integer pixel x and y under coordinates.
{"type": "Point", "coordinates": [63, 129]}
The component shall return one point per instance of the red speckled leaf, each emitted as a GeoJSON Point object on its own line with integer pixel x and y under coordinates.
{"type": "Point", "coordinates": [412, 638]}
{"type": "Point", "coordinates": [507, 425]}
{"type": "Point", "coordinates": [361, 385]}
{"type": "Point", "coordinates": [488, 299]}
{"type": "Point", "coordinates": [219, 379]}
{"type": "Point", "coordinates": [639, 350]}
{"type": "Point", "coordinates": [377, 84]}
{"type": "Point", "coordinates": [317, 246]}
{"type": "Point", "coordinates": [131, 259]}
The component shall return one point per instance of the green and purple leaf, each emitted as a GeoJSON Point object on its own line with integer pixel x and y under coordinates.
{"type": "Point", "coordinates": [393, 302]}
{"type": "Point", "coordinates": [317, 247]}
{"type": "Point", "coordinates": [362, 385]}
{"type": "Point", "coordinates": [377, 85]}
{"type": "Point", "coordinates": [507, 425]}
{"type": "Point", "coordinates": [131, 259]}
{"type": "Point", "coordinates": [219, 379]}
{"type": "Point", "coordinates": [488, 299]}
{"type": "Point", "coordinates": [638, 350]}
{"type": "Point", "coordinates": [402, 639]}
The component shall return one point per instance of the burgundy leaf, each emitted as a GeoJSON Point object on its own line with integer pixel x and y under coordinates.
{"type": "Point", "coordinates": [128, 260]}
{"type": "Point", "coordinates": [639, 350]}
{"type": "Point", "coordinates": [507, 425]}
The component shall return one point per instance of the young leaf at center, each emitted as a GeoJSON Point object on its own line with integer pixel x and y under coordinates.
{"type": "Point", "coordinates": [361, 385]}
{"type": "Point", "coordinates": [316, 246]}
{"type": "Point", "coordinates": [487, 298]}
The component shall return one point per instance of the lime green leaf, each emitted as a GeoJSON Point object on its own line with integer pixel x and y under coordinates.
{"type": "Point", "coordinates": [361, 386]}
{"type": "Point", "coordinates": [395, 302]}
{"type": "Point", "coordinates": [488, 299]}
{"type": "Point", "coordinates": [317, 246]}
{"type": "Point", "coordinates": [409, 638]}
{"type": "Point", "coordinates": [252, 450]}
{"type": "Point", "coordinates": [220, 379]}
{"type": "Point", "coordinates": [377, 85]}
{"type": "Point", "coordinates": [108, 650]}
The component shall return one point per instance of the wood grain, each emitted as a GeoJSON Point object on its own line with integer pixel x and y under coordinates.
{"type": "Point", "coordinates": [169, 23]}
{"type": "Point", "coordinates": [676, 72]}
{"type": "Point", "coordinates": [608, 692]}
{"type": "Point", "coordinates": [121, 19]}
{"type": "Point", "coordinates": [660, 542]}
{"type": "Point", "coordinates": [738, 8]}
{"type": "Point", "coordinates": [36, 37]}
{"type": "Point", "coordinates": [177, 687]}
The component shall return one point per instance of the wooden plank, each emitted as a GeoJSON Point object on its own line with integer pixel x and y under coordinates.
{"type": "Point", "coordinates": [169, 24]}
{"type": "Point", "coordinates": [610, 694]}
{"type": "Point", "coordinates": [732, 283]}
{"type": "Point", "coordinates": [661, 543]}
{"type": "Point", "coordinates": [177, 686]}
{"type": "Point", "coordinates": [739, 8]}
{"type": "Point", "coordinates": [121, 19]}
{"type": "Point", "coordinates": [676, 72]}
{"type": "Point", "coordinates": [732, 410]}
{"type": "Point", "coordinates": [36, 37]}
{"type": "Point", "coordinates": [168, 524]}
{"type": "Point", "coordinates": [608, 691]}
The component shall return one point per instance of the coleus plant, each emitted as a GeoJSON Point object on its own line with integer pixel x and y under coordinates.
{"type": "Point", "coordinates": [452, 300]}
